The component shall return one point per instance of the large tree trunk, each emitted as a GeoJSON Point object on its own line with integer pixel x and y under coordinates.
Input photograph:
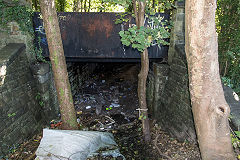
{"type": "Point", "coordinates": [58, 62]}
{"type": "Point", "coordinates": [142, 77]}
{"type": "Point", "coordinates": [209, 107]}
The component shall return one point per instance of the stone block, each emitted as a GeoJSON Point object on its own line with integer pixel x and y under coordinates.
{"type": "Point", "coordinates": [180, 10]}
{"type": "Point", "coordinates": [3, 126]}
{"type": "Point", "coordinates": [38, 116]}
{"type": "Point", "coordinates": [15, 135]}
{"type": "Point", "coordinates": [43, 78]}
{"type": "Point", "coordinates": [40, 68]}
{"type": "Point", "coordinates": [46, 96]}
{"type": "Point", "coordinates": [24, 99]}
{"type": "Point", "coordinates": [17, 92]}
{"type": "Point", "coordinates": [180, 17]}
{"type": "Point", "coordinates": [179, 26]}
{"type": "Point", "coordinates": [42, 88]}
{"type": "Point", "coordinates": [7, 96]}
{"type": "Point", "coordinates": [10, 52]}
{"type": "Point", "coordinates": [180, 70]}
{"type": "Point", "coordinates": [12, 84]}
{"type": "Point", "coordinates": [178, 61]}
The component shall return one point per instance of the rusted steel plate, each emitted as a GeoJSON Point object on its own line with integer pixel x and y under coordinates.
{"type": "Point", "coordinates": [92, 37]}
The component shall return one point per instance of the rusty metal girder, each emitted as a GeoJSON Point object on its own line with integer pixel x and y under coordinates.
{"type": "Point", "coordinates": [92, 37]}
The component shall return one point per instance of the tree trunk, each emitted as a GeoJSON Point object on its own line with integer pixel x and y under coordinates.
{"type": "Point", "coordinates": [81, 6]}
{"type": "Point", "coordinates": [76, 6]}
{"type": "Point", "coordinates": [85, 6]}
{"type": "Point", "coordinates": [142, 77]}
{"type": "Point", "coordinates": [58, 62]}
{"type": "Point", "coordinates": [35, 4]}
{"type": "Point", "coordinates": [89, 5]}
{"type": "Point", "coordinates": [209, 107]}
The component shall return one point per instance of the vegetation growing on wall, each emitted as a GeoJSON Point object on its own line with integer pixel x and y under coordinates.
{"type": "Point", "coordinates": [17, 13]}
{"type": "Point", "coordinates": [228, 18]}
{"type": "Point", "coordinates": [22, 15]}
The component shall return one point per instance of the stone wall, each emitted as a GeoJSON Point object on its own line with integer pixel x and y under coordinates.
{"type": "Point", "coordinates": [46, 96]}
{"type": "Point", "coordinates": [171, 98]}
{"type": "Point", "coordinates": [20, 113]}
{"type": "Point", "coordinates": [78, 73]}
{"type": "Point", "coordinates": [28, 98]}
{"type": "Point", "coordinates": [178, 31]}
{"type": "Point", "coordinates": [168, 93]}
{"type": "Point", "coordinates": [13, 34]}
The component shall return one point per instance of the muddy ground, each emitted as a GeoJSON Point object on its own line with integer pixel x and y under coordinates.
{"type": "Point", "coordinates": [108, 102]}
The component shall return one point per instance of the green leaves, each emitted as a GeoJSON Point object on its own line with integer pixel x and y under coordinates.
{"type": "Point", "coordinates": [11, 115]}
{"type": "Point", "coordinates": [18, 13]}
{"type": "Point", "coordinates": [227, 16]}
{"type": "Point", "coordinates": [155, 33]}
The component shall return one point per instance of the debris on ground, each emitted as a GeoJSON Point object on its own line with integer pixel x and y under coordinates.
{"type": "Point", "coordinates": [76, 145]}
{"type": "Point", "coordinates": [108, 103]}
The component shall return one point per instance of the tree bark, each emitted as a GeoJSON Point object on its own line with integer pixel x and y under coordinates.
{"type": "Point", "coordinates": [142, 76]}
{"type": "Point", "coordinates": [89, 5]}
{"type": "Point", "coordinates": [35, 4]}
{"type": "Point", "coordinates": [58, 62]}
{"type": "Point", "coordinates": [85, 6]}
{"type": "Point", "coordinates": [76, 6]}
{"type": "Point", "coordinates": [209, 107]}
{"type": "Point", "coordinates": [142, 79]}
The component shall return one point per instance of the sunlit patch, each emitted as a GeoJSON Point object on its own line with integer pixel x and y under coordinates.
{"type": "Point", "coordinates": [53, 3]}
{"type": "Point", "coordinates": [235, 96]}
{"type": "Point", "coordinates": [3, 72]}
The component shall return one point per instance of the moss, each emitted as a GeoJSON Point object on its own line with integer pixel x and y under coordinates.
{"type": "Point", "coordinates": [61, 92]}
{"type": "Point", "coordinates": [56, 61]}
{"type": "Point", "coordinates": [72, 122]}
{"type": "Point", "coordinates": [50, 18]}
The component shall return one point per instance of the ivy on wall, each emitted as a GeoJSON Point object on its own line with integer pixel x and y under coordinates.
{"type": "Point", "coordinates": [13, 12]}
{"type": "Point", "coordinates": [22, 15]}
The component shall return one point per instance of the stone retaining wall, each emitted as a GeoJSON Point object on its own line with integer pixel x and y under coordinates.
{"type": "Point", "coordinates": [168, 93]}
{"type": "Point", "coordinates": [28, 98]}
{"type": "Point", "coordinates": [46, 96]}
{"type": "Point", "coordinates": [78, 73]}
{"type": "Point", "coordinates": [20, 113]}
{"type": "Point", "coordinates": [170, 100]}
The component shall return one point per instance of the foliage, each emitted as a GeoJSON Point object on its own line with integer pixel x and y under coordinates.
{"type": "Point", "coordinates": [38, 97]}
{"type": "Point", "coordinates": [61, 5]}
{"type": "Point", "coordinates": [235, 139]}
{"type": "Point", "coordinates": [37, 51]}
{"type": "Point", "coordinates": [18, 13]}
{"type": "Point", "coordinates": [227, 18]}
{"type": "Point", "coordinates": [22, 15]}
{"type": "Point", "coordinates": [144, 37]}
{"type": "Point", "coordinates": [11, 115]}
{"type": "Point", "coordinates": [105, 5]}
{"type": "Point", "coordinates": [81, 6]}
{"type": "Point", "coordinates": [155, 32]}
